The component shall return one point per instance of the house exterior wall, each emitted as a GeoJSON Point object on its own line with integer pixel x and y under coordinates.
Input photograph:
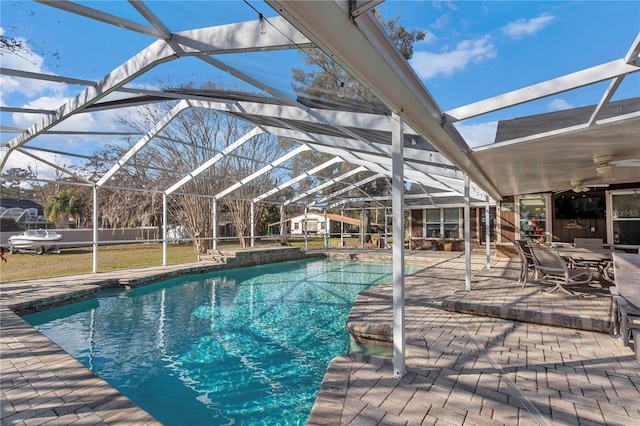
{"type": "Point", "coordinates": [474, 222]}
{"type": "Point", "coordinates": [506, 221]}
{"type": "Point", "coordinates": [417, 224]}
{"type": "Point", "coordinates": [315, 225]}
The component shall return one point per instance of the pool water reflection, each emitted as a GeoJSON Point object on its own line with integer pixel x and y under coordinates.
{"type": "Point", "coordinates": [244, 346]}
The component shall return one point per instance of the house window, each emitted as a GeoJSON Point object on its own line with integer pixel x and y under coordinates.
{"type": "Point", "coordinates": [443, 222]}
{"type": "Point", "coordinates": [624, 219]}
{"type": "Point", "coordinates": [483, 225]}
{"type": "Point", "coordinates": [433, 223]}
{"type": "Point", "coordinates": [296, 226]}
{"type": "Point", "coordinates": [532, 211]}
{"type": "Point", "coordinates": [451, 223]}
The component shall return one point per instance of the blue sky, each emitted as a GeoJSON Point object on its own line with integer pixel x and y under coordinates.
{"type": "Point", "coordinates": [473, 50]}
{"type": "Point", "coordinates": [479, 49]}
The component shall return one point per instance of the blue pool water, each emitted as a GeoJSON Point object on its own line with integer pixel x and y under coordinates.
{"type": "Point", "coordinates": [245, 346]}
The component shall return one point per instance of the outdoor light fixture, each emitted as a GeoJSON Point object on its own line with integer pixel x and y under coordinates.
{"type": "Point", "coordinates": [262, 24]}
{"type": "Point", "coordinates": [342, 90]}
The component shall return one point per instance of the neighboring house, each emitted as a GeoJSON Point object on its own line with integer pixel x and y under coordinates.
{"type": "Point", "coordinates": [316, 226]}
{"type": "Point", "coordinates": [22, 214]}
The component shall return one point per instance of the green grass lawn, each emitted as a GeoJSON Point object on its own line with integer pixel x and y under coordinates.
{"type": "Point", "coordinates": [24, 266]}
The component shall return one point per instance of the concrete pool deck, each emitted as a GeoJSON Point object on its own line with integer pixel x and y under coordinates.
{"type": "Point", "coordinates": [461, 368]}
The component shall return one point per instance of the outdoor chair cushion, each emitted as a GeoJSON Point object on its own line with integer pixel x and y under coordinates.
{"type": "Point", "coordinates": [554, 270]}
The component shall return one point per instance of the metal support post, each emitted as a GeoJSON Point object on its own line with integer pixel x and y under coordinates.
{"type": "Point", "coordinates": [342, 227]}
{"type": "Point", "coordinates": [362, 229]}
{"type": "Point", "coordinates": [214, 219]}
{"type": "Point", "coordinates": [467, 235]}
{"type": "Point", "coordinates": [95, 230]}
{"type": "Point", "coordinates": [164, 229]}
{"type": "Point", "coordinates": [304, 228]}
{"type": "Point", "coordinates": [487, 227]}
{"type": "Point", "coordinates": [327, 229]}
{"type": "Point", "coordinates": [386, 227]}
{"type": "Point", "coordinates": [253, 224]}
{"type": "Point", "coordinates": [397, 159]}
{"type": "Point", "coordinates": [282, 224]}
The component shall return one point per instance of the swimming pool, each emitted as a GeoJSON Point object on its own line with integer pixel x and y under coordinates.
{"type": "Point", "coordinates": [243, 346]}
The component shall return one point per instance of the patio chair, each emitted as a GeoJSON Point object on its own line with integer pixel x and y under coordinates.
{"type": "Point", "coordinates": [626, 297]}
{"type": "Point", "coordinates": [526, 262]}
{"type": "Point", "coordinates": [553, 269]}
{"type": "Point", "coordinates": [604, 268]}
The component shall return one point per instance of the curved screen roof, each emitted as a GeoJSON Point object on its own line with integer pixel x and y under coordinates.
{"type": "Point", "coordinates": [85, 64]}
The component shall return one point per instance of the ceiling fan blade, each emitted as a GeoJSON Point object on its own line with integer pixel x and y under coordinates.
{"type": "Point", "coordinates": [562, 190]}
{"type": "Point", "coordinates": [631, 162]}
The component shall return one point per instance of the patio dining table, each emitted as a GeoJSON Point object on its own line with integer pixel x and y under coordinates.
{"type": "Point", "coordinates": [600, 258]}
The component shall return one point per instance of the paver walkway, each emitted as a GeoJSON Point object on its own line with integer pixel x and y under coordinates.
{"type": "Point", "coordinates": [477, 370]}
{"type": "Point", "coordinates": [461, 369]}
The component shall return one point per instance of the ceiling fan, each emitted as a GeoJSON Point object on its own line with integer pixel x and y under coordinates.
{"type": "Point", "coordinates": [605, 164]}
{"type": "Point", "coordinates": [579, 186]}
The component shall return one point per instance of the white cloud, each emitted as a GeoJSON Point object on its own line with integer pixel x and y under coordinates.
{"type": "Point", "coordinates": [437, 4]}
{"type": "Point", "coordinates": [478, 134]}
{"type": "Point", "coordinates": [442, 21]}
{"type": "Point", "coordinates": [76, 122]}
{"type": "Point", "coordinates": [47, 95]}
{"type": "Point", "coordinates": [26, 60]}
{"type": "Point", "coordinates": [19, 160]}
{"type": "Point", "coordinates": [429, 64]}
{"type": "Point", "coordinates": [523, 27]}
{"type": "Point", "coordinates": [104, 121]}
{"type": "Point", "coordinates": [559, 105]}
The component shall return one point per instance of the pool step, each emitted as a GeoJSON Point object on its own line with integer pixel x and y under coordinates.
{"type": "Point", "coordinates": [242, 257]}
{"type": "Point", "coordinates": [215, 256]}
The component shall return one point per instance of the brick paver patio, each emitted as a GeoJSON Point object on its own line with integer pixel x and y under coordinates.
{"type": "Point", "coordinates": [461, 368]}
{"type": "Point", "coordinates": [467, 369]}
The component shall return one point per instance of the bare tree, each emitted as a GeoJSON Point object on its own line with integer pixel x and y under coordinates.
{"type": "Point", "coordinates": [191, 139]}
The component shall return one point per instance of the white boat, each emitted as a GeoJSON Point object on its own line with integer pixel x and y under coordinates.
{"type": "Point", "coordinates": [38, 240]}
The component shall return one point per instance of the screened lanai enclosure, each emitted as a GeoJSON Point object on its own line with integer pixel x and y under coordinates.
{"type": "Point", "coordinates": [183, 113]}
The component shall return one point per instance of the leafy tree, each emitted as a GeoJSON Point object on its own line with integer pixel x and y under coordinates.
{"type": "Point", "coordinates": [12, 184]}
{"type": "Point", "coordinates": [67, 205]}
{"type": "Point", "coordinates": [127, 208]}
